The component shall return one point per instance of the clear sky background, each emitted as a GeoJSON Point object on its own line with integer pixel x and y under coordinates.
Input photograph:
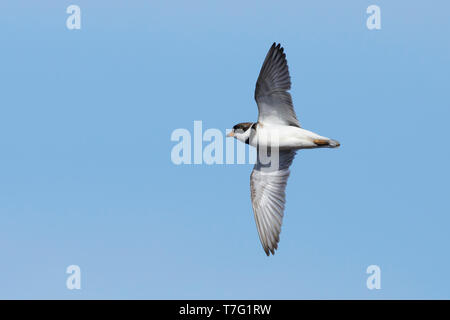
{"type": "Point", "coordinates": [86, 176]}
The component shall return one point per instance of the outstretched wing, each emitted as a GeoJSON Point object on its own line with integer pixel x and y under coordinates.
{"type": "Point", "coordinates": [267, 188]}
{"type": "Point", "coordinates": [274, 102]}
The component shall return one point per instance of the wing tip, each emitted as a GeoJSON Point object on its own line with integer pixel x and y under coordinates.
{"type": "Point", "coordinates": [277, 46]}
{"type": "Point", "coordinates": [270, 250]}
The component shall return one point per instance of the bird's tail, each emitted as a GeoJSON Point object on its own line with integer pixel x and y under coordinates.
{"type": "Point", "coordinates": [334, 143]}
{"type": "Point", "coordinates": [328, 143]}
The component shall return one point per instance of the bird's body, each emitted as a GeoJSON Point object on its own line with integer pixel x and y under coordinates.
{"type": "Point", "coordinates": [277, 135]}
{"type": "Point", "coordinates": [285, 137]}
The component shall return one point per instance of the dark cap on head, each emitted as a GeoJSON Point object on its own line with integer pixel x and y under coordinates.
{"type": "Point", "coordinates": [244, 126]}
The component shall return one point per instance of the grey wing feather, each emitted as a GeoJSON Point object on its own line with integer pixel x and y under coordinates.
{"type": "Point", "coordinates": [271, 92]}
{"type": "Point", "coordinates": [267, 187]}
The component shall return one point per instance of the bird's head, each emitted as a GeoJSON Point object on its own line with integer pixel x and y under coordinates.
{"type": "Point", "coordinates": [241, 131]}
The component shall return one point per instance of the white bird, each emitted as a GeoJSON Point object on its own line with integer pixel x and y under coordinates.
{"type": "Point", "coordinates": [277, 135]}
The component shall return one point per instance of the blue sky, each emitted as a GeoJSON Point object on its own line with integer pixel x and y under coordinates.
{"type": "Point", "coordinates": [86, 176]}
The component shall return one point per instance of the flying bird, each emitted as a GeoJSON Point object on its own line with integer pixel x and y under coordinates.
{"type": "Point", "coordinates": [277, 135]}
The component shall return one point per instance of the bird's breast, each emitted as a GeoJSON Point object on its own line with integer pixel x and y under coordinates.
{"type": "Point", "coordinates": [283, 137]}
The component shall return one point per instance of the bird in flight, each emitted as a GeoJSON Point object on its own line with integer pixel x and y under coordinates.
{"type": "Point", "coordinates": [277, 136]}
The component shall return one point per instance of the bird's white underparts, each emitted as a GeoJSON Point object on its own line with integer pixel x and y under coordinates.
{"type": "Point", "coordinates": [283, 137]}
{"type": "Point", "coordinates": [277, 135]}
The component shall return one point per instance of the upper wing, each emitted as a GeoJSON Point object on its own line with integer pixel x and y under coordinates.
{"type": "Point", "coordinates": [274, 102]}
{"type": "Point", "coordinates": [267, 187]}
